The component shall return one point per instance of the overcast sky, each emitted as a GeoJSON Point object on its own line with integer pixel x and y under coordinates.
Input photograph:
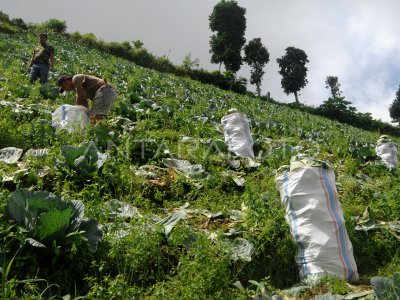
{"type": "Point", "coordinates": [356, 40]}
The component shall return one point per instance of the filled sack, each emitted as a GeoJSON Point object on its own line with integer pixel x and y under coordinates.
{"type": "Point", "coordinates": [386, 149]}
{"type": "Point", "coordinates": [71, 117]}
{"type": "Point", "coordinates": [313, 211]}
{"type": "Point", "coordinates": [237, 134]}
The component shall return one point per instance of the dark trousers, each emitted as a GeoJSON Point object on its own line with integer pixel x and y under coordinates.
{"type": "Point", "coordinates": [40, 71]}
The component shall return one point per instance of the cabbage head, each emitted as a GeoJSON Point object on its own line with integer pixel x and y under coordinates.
{"type": "Point", "coordinates": [48, 218]}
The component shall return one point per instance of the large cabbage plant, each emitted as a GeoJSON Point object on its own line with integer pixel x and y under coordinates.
{"type": "Point", "coordinates": [48, 218]}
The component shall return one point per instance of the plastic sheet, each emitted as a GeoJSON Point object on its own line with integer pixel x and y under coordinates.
{"type": "Point", "coordinates": [237, 134]}
{"type": "Point", "coordinates": [386, 149]}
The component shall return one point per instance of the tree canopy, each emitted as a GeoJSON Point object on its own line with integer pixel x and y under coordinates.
{"type": "Point", "coordinates": [332, 83]}
{"type": "Point", "coordinates": [55, 25]}
{"type": "Point", "coordinates": [228, 22]}
{"type": "Point", "coordinates": [256, 56]}
{"type": "Point", "coordinates": [293, 70]}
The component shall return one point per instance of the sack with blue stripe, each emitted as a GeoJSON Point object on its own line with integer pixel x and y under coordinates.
{"type": "Point", "coordinates": [71, 117]}
{"type": "Point", "coordinates": [313, 211]}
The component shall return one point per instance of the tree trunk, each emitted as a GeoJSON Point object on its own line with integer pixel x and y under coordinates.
{"type": "Point", "coordinates": [220, 64]}
{"type": "Point", "coordinates": [297, 99]}
{"type": "Point", "coordinates": [258, 90]}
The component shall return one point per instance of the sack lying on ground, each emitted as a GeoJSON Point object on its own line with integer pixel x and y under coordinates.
{"type": "Point", "coordinates": [315, 216]}
{"type": "Point", "coordinates": [386, 149]}
{"type": "Point", "coordinates": [237, 134]}
{"type": "Point", "coordinates": [71, 117]}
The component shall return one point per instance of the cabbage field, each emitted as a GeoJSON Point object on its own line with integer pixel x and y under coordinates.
{"type": "Point", "coordinates": [150, 204]}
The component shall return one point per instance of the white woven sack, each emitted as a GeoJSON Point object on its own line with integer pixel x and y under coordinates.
{"type": "Point", "coordinates": [316, 220]}
{"type": "Point", "coordinates": [237, 134]}
{"type": "Point", "coordinates": [71, 117]}
{"type": "Point", "coordinates": [388, 154]}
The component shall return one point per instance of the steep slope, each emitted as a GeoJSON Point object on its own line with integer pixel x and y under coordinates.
{"type": "Point", "coordinates": [168, 116]}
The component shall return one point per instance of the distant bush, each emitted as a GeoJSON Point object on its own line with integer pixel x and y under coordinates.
{"type": "Point", "coordinates": [337, 108]}
{"type": "Point", "coordinates": [142, 57]}
{"type": "Point", "coordinates": [18, 22]}
{"type": "Point", "coordinates": [9, 26]}
{"type": "Point", "coordinates": [54, 25]}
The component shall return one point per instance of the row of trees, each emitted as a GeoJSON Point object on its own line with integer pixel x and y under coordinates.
{"type": "Point", "coordinates": [336, 107]}
{"type": "Point", "coordinates": [228, 23]}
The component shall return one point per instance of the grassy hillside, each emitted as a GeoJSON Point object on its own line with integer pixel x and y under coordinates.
{"type": "Point", "coordinates": [159, 116]}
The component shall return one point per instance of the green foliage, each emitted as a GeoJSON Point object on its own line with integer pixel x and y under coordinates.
{"type": "Point", "coordinates": [111, 288]}
{"type": "Point", "coordinates": [48, 218]}
{"type": "Point", "coordinates": [54, 25]}
{"type": "Point", "coordinates": [49, 91]}
{"type": "Point", "coordinates": [4, 16]}
{"type": "Point", "coordinates": [332, 83]}
{"type": "Point", "coordinates": [362, 151]}
{"type": "Point", "coordinates": [189, 63]}
{"type": "Point", "coordinates": [387, 289]}
{"type": "Point", "coordinates": [257, 56]}
{"type": "Point", "coordinates": [335, 285]}
{"type": "Point", "coordinates": [138, 44]}
{"type": "Point", "coordinates": [23, 91]}
{"type": "Point", "coordinates": [19, 23]}
{"type": "Point", "coordinates": [339, 109]}
{"type": "Point", "coordinates": [9, 26]}
{"type": "Point", "coordinates": [141, 255]}
{"type": "Point", "coordinates": [205, 271]}
{"type": "Point", "coordinates": [293, 70]}
{"type": "Point", "coordinates": [80, 161]}
{"type": "Point", "coordinates": [229, 22]}
{"type": "Point", "coordinates": [126, 109]}
{"type": "Point", "coordinates": [394, 108]}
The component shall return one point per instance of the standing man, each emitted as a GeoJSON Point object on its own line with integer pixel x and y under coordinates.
{"type": "Point", "coordinates": [42, 59]}
{"type": "Point", "coordinates": [93, 88]}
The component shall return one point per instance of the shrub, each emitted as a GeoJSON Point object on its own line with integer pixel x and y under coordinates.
{"type": "Point", "coordinates": [54, 25]}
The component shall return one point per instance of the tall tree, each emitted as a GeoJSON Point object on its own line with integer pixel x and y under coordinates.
{"type": "Point", "coordinates": [394, 109]}
{"type": "Point", "coordinates": [332, 83]}
{"type": "Point", "coordinates": [228, 21]}
{"type": "Point", "coordinates": [337, 107]}
{"type": "Point", "coordinates": [293, 70]}
{"type": "Point", "coordinates": [256, 56]}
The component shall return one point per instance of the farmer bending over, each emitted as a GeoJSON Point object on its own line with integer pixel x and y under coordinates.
{"type": "Point", "coordinates": [42, 58]}
{"type": "Point", "coordinates": [90, 87]}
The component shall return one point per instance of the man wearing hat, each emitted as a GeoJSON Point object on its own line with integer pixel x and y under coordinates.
{"type": "Point", "coordinates": [42, 59]}
{"type": "Point", "coordinates": [90, 87]}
